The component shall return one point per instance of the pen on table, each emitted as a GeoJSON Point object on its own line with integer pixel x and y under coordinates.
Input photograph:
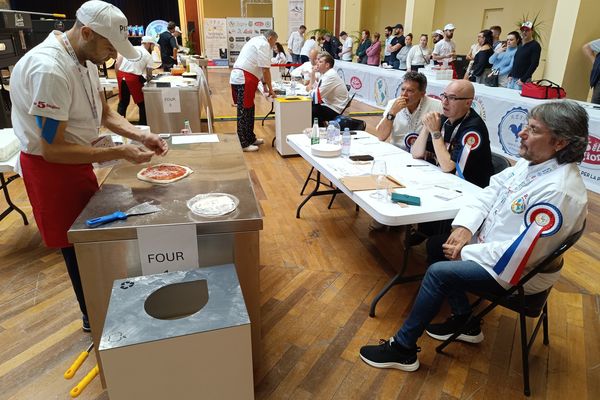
{"type": "Point", "coordinates": [417, 165]}
{"type": "Point", "coordinates": [364, 137]}
{"type": "Point", "coordinates": [443, 187]}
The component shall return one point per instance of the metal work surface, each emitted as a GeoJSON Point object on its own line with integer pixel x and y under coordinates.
{"type": "Point", "coordinates": [218, 167]}
{"type": "Point", "coordinates": [127, 322]}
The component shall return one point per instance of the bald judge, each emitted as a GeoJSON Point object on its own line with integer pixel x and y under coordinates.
{"type": "Point", "coordinates": [457, 140]}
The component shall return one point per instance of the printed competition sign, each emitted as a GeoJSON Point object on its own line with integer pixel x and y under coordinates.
{"type": "Point", "coordinates": [215, 40]}
{"type": "Point", "coordinates": [295, 16]}
{"type": "Point", "coordinates": [240, 30]}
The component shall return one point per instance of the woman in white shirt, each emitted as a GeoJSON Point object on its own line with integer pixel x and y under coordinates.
{"type": "Point", "coordinates": [279, 57]}
{"type": "Point", "coordinates": [418, 56]}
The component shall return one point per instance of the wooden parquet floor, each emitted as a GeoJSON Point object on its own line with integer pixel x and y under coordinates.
{"type": "Point", "coordinates": [318, 275]}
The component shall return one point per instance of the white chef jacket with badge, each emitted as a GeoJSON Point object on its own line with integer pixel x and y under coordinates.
{"type": "Point", "coordinates": [46, 83]}
{"type": "Point", "coordinates": [497, 215]}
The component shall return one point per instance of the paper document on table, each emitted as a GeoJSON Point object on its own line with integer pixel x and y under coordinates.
{"type": "Point", "coordinates": [188, 139]}
{"type": "Point", "coordinates": [347, 169]}
{"type": "Point", "coordinates": [445, 193]}
{"type": "Point", "coordinates": [368, 182]}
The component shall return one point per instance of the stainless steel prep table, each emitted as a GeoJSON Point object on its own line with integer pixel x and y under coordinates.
{"type": "Point", "coordinates": [111, 251]}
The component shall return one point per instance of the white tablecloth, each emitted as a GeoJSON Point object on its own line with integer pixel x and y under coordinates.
{"type": "Point", "coordinates": [503, 110]}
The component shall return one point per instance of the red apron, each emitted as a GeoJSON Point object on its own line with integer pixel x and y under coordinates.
{"type": "Point", "coordinates": [134, 84]}
{"type": "Point", "coordinates": [57, 193]}
{"type": "Point", "coordinates": [250, 86]}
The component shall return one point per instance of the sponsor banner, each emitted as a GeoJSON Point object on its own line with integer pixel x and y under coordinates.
{"type": "Point", "coordinates": [590, 166]}
{"type": "Point", "coordinates": [240, 30]}
{"type": "Point", "coordinates": [215, 40]}
{"type": "Point", "coordinates": [295, 16]}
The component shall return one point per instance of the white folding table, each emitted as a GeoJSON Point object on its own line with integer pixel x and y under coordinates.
{"type": "Point", "coordinates": [10, 166]}
{"type": "Point", "coordinates": [441, 194]}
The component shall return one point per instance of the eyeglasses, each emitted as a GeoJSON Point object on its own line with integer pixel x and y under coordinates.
{"type": "Point", "coordinates": [451, 97]}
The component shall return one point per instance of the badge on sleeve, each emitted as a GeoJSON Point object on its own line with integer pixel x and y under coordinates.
{"type": "Point", "coordinates": [541, 220]}
{"type": "Point", "coordinates": [470, 141]}
{"type": "Point", "coordinates": [409, 139]}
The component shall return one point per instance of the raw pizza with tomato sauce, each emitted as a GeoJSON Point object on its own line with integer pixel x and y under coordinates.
{"type": "Point", "coordinates": [164, 173]}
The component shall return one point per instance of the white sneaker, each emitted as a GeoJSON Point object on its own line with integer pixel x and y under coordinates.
{"type": "Point", "coordinates": [250, 148]}
{"type": "Point", "coordinates": [258, 142]}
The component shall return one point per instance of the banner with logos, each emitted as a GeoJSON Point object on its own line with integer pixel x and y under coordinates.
{"type": "Point", "coordinates": [240, 30]}
{"type": "Point", "coordinates": [215, 41]}
{"type": "Point", "coordinates": [295, 16]}
{"type": "Point", "coordinates": [503, 110]}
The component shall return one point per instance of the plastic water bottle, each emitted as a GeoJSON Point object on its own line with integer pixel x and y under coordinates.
{"type": "Point", "coordinates": [346, 141]}
{"type": "Point", "coordinates": [186, 128]}
{"type": "Point", "coordinates": [314, 136]}
{"type": "Point", "coordinates": [331, 132]}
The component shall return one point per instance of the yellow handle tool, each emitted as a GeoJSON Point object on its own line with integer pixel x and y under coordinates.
{"type": "Point", "coordinates": [76, 391]}
{"type": "Point", "coordinates": [75, 366]}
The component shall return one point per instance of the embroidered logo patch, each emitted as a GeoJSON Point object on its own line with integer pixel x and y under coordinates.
{"type": "Point", "coordinates": [518, 206]}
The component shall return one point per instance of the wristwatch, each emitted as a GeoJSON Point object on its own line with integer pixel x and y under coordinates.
{"type": "Point", "coordinates": [390, 117]}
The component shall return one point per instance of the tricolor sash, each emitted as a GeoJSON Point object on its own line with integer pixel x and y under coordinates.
{"type": "Point", "coordinates": [541, 219]}
{"type": "Point", "coordinates": [316, 94]}
{"type": "Point", "coordinates": [471, 141]}
{"type": "Point", "coordinates": [409, 139]}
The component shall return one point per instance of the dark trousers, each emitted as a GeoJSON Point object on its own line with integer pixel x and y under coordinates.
{"type": "Point", "coordinates": [323, 113]}
{"type": "Point", "coordinates": [245, 118]}
{"type": "Point", "coordinates": [303, 59]}
{"type": "Point", "coordinates": [73, 269]}
{"type": "Point", "coordinates": [124, 103]}
{"type": "Point", "coordinates": [596, 93]}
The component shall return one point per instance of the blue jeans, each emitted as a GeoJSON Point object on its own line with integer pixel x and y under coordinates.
{"type": "Point", "coordinates": [513, 84]}
{"type": "Point", "coordinates": [444, 279]}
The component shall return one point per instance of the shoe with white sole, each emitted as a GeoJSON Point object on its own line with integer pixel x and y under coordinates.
{"type": "Point", "coordinates": [258, 142]}
{"type": "Point", "coordinates": [389, 354]}
{"type": "Point", "coordinates": [250, 148]}
{"type": "Point", "coordinates": [446, 329]}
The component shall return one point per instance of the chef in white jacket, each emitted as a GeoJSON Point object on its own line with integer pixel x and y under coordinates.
{"type": "Point", "coordinates": [531, 207]}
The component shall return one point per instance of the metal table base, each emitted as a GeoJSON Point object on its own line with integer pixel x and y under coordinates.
{"type": "Point", "coordinates": [11, 207]}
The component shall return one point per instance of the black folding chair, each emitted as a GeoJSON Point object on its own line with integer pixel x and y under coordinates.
{"type": "Point", "coordinates": [533, 306]}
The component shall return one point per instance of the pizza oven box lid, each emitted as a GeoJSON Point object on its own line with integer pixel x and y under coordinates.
{"type": "Point", "coordinates": [173, 335]}
{"type": "Point", "coordinates": [218, 167]}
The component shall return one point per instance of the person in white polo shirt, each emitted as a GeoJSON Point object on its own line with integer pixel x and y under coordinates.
{"type": "Point", "coordinates": [57, 110]}
{"type": "Point", "coordinates": [446, 49]}
{"type": "Point", "coordinates": [306, 48]}
{"type": "Point", "coordinates": [346, 53]}
{"type": "Point", "coordinates": [295, 43]}
{"type": "Point", "coordinates": [130, 78]}
{"type": "Point", "coordinates": [252, 65]}
{"type": "Point", "coordinates": [330, 94]}
{"type": "Point", "coordinates": [402, 118]}
{"type": "Point", "coordinates": [305, 70]}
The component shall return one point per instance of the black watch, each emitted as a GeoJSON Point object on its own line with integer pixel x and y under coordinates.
{"type": "Point", "coordinates": [390, 117]}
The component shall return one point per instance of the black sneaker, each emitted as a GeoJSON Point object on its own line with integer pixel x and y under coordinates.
{"type": "Point", "coordinates": [86, 324]}
{"type": "Point", "coordinates": [444, 330]}
{"type": "Point", "coordinates": [389, 354]}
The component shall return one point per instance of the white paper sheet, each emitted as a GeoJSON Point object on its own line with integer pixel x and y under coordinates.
{"type": "Point", "coordinates": [187, 139]}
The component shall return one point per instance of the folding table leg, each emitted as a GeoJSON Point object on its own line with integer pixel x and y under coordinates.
{"type": "Point", "coordinates": [4, 185]}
